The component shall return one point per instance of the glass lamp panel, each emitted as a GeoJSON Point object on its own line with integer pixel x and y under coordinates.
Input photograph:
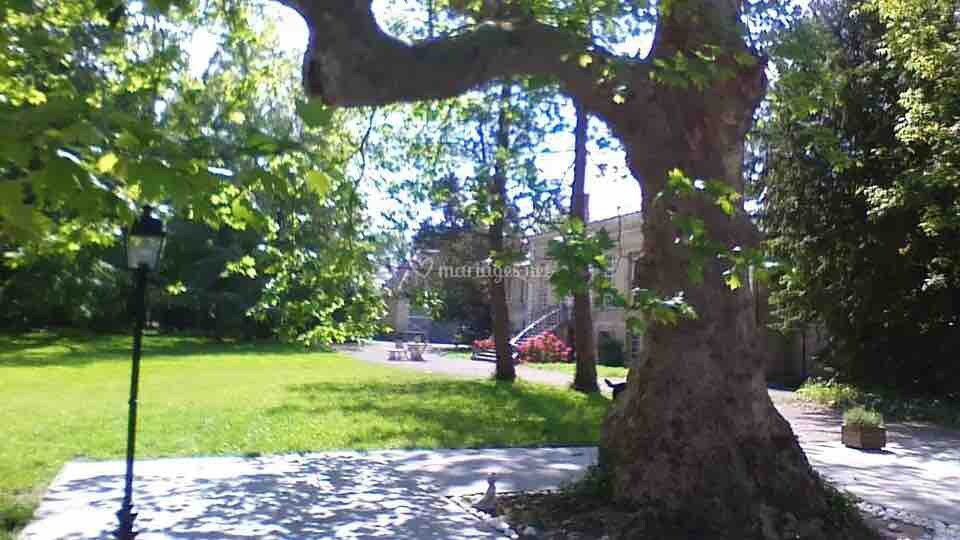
{"type": "Point", "coordinates": [143, 251]}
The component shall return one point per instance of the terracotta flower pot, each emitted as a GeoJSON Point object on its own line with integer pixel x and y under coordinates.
{"type": "Point", "coordinates": [864, 437]}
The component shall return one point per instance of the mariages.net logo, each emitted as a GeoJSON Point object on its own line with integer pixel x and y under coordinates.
{"type": "Point", "coordinates": [434, 268]}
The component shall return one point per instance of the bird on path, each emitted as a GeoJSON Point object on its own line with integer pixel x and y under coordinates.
{"type": "Point", "coordinates": [488, 503]}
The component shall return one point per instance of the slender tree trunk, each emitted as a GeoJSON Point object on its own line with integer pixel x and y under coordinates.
{"type": "Point", "coordinates": [585, 377]}
{"type": "Point", "coordinates": [498, 294]}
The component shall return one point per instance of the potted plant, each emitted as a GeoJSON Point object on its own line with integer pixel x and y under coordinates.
{"type": "Point", "coordinates": [863, 429]}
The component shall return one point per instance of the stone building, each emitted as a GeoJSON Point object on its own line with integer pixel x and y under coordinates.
{"type": "Point", "coordinates": [531, 297]}
{"type": "Point", "coordinates": [535, 308]}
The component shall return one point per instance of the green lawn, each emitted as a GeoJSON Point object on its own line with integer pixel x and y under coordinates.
{"type": "Point", "coordinates": [566, 367]}
{"type": "Point", "coordinates": [457, 354]}
{"type": "Point", "coordinates": [66, 397]}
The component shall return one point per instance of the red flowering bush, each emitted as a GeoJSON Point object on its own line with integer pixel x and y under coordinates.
{"type": "Point", "coordinates": [545, 347]}
{"type": "Point", "coordinates": [488, 343]}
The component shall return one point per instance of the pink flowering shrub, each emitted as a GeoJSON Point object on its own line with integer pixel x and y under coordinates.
{"type": "Point", "coordinates": [479, 344]}
{"type": "Point", "coordinates": [545, 347]}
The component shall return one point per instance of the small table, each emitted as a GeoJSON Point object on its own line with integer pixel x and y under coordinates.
{"type": "Point", "coordinates": [416, 351]}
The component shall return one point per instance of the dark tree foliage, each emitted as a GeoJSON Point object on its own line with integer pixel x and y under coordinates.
{"type": "Point", "coordinates": [858, 208]}
{"type": "Point", "coordinates": [462, 300]}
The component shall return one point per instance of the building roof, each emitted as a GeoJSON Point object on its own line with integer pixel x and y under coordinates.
{"type": "Point", "coordinates": [592, 225]}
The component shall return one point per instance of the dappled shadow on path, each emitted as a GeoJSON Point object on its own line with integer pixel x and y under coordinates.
{"type": "Point", "coordinates": [918, 470]}
{"type": "Point", "coordinates": [310, 496]}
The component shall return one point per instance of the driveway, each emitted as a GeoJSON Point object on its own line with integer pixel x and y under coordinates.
{"type": "Point", "coordinates": [439, 362]}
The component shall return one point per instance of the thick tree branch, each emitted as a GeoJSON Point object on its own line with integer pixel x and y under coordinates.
{"type": "Point", "coordinates": [688, 25]}
{"type": "Point", "coordinates": [351, 62]}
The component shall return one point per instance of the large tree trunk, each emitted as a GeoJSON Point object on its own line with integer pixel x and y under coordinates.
{"type": "Point", "coordinates": [694, 443]}
{"type": "Point", "coordinates": [695, 435]}
{"type": "Point", "coordinates": [585, 376]}
{"type": "Point", "coordinates": [498, 287]}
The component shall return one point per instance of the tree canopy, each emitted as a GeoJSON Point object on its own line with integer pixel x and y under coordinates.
{"type": "Point", "coordinates": [104, 110]}
{"type": "Point", "coordinates": [862, 184]}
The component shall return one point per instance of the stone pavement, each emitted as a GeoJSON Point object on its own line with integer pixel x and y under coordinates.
{"type": "Point", "coordinates": [356, 495]}
{"type": "Point", "coordinates": [918, 471]}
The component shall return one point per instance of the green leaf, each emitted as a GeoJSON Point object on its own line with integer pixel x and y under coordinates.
{"type": "Point", "coordinates": [314, 113]}
{"type": "Point", "coordinates": [176, 289]}
{"type": "Point", "coordinates": [733, 281]}
{"type": "Point", "coordinates": [107, 162]}
{"type": "Point", "coordinates": [17, 218]}
{"type": "Point", "coordinates": [318, 182]}
{"type": "Point", "coordinates": [678, 182]}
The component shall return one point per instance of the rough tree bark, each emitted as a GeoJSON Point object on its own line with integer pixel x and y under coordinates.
{"type": "Point", "coordinates": [585, 376]}
{"type": "Point", "coordinates": [694, 441]}
{"type": "Point", "coordinates": [505, 370]}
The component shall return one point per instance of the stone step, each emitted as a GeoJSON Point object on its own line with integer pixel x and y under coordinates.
{"type": "Point", "coordinates": [485, 355]}
{"type": "Point", "coordinates": [488, 355]}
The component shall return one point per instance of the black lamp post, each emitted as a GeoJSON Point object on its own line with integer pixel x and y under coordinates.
{"type": "Point", "coordinates": [144, 246]}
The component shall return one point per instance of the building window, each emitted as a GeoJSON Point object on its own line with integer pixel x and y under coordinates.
{"type": "Point", "coordinates": [636, 343]}
{"type": "Point", "coordinates": [543, 293]}
{"type": "Point", "coordinates": [607, 300]}
{"type": "Point", "coordinates": [635, 270]}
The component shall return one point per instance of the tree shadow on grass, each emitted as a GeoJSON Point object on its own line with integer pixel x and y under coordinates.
{"type": "Point", "coordinates": [39, 349]}
{"type": "Point", "coordinates": [453, 413]}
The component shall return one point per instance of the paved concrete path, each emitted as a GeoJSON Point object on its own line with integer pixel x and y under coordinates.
{"type": "Point", "coordinates": [356, 495]}
{"type": "Point", "coordinates": [918, 471]}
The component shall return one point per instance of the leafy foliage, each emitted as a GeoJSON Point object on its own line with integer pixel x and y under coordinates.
{"type": "Point", "coordinates": [103, 110]}
{"type": "Point", "coordinates": [462, 300]}
{"type": "Point", "coordinates": [860, 416]}
{"type": "Point", "coordinates": [609, 350]}
{"type": "Point", "coordinates": [862, 184]}
{"type": "Point", "coordinates": [842, 396]}
{"type": "Point", "coordinates": [576, 252]}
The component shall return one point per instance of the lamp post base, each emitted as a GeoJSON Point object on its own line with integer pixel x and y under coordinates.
{"type": "Point", "coordinates": [125, 531]}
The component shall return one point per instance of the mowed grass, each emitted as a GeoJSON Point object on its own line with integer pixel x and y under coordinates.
{"type": "Point", "coordinates": [566, 367]}
{"type": "Point", "coordinates": [66, 397]}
